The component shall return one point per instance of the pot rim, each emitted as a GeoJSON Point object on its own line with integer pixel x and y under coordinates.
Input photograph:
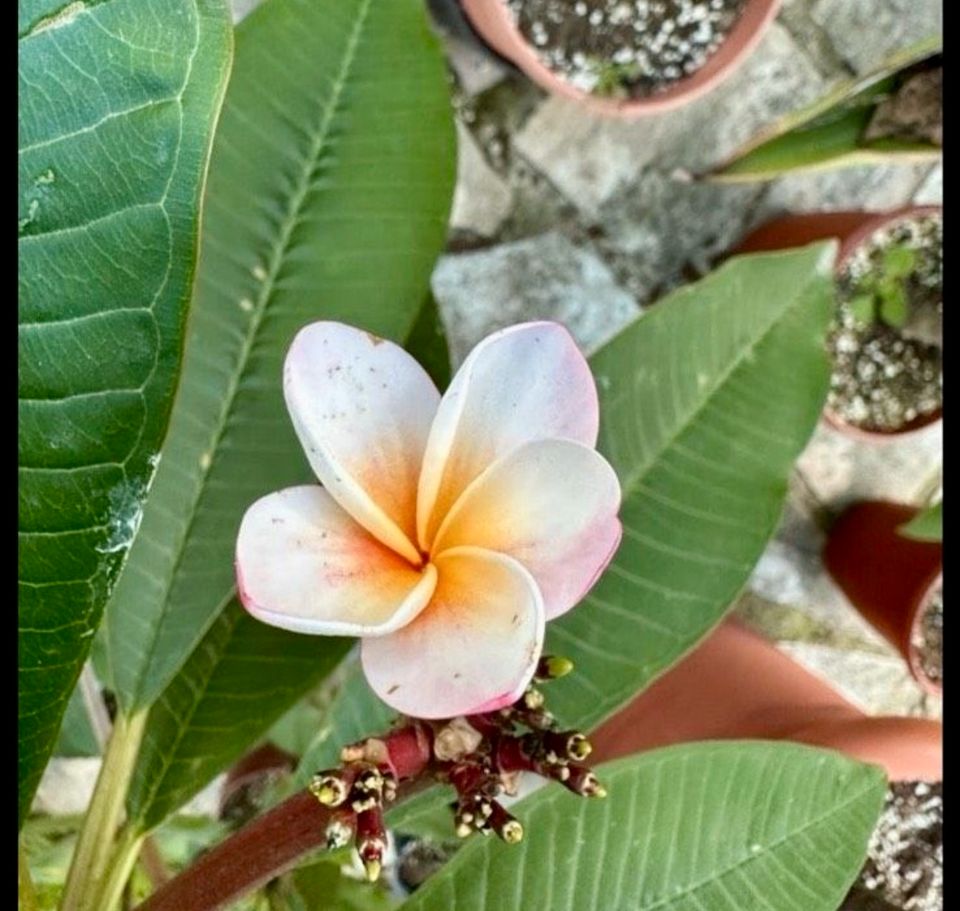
{"type": "Point", "coordinates": [494, 24]}
{"type": "Point", "coordinates": [922, 604]}
{"type": "Point", "coordinates": [873, 222]}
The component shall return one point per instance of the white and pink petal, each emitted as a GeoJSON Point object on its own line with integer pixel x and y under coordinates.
{"type": "Point", "coordinates": [528, 382]}
{"type": "Point", "coordinates": [362, 408]}
{"type": "Point", "coordinates": [303, 564]}
{"type": "Point", "coordinates": [552, 505]}
{"type": "Point", "coordinates": [474, 648]}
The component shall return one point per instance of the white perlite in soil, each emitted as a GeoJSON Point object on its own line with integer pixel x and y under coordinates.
{"type": "Point", "coordinates": [928, 639]}
{"type": "Point", "coordinates": [625, 48]}
{"type": "Point", "coordinates": [883, 377]}
{"type": "Point", "coordinates": [904, 868]}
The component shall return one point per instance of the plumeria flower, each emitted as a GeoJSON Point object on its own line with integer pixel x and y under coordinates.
{"type": "Point", "coordinates": [447, 531]}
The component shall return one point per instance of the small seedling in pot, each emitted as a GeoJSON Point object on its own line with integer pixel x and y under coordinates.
{"type": "Point", "coordinates": [882, 295]}
{"type": "Point", "coordinates": [614, 79]}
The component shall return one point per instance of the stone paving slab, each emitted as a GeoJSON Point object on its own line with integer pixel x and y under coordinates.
{"type": "Point", "coordinates": [482, 200]}
{"type": "Point", "coordinates": [865, 31]}
{"type": "Point", "coordinates": [544, 277]}
{"type": "Point", "coordinates": [930, 191]}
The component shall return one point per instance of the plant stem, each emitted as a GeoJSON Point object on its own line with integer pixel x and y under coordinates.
{"type": "Point", "coordinates": [96, 840]}
{"type": "Point", "coordinates": [263, 849]}
{"type": "Point", "coordinates": [25, 893]}
{"type": "Point", "coordinates": [121, 865]}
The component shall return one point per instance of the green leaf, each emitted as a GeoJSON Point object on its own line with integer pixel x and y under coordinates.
{"type": "Point", "coordinates": [117, 103]}
{"type": "Point", "coordinates": [355, 712]}
{"type": "Point", "coordinates": [926, 525]}
{"type": "Point", "coordinates": [829, 132]}
{"type": "Point", "coordinates": [893, 304]}
{"type": "Point", "coordinates": [77, 737]}
{"type": "Point", "coordinates": [427, 342]}
{"type": "Point", "coordinates": [329, 191]}
{"type": "Point", "coordinates": [899, 262]}
{"type": "Point", "coordinates": [323, 885]}
{"type": "Point", "coordinates": [739, 826]}
{"type": "Point", "coordinates": [238, 681]}
{"type": "Point", "coordinates": [862, 309]}
{"type": "Point", "coordinates": [705, 403]}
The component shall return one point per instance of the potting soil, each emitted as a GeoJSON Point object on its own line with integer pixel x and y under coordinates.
{"type": "Point", "coordinates": [625, 48]}
{"type": "Point", "coordinates": [885, 377]}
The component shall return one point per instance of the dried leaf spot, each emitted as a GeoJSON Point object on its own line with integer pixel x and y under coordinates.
{"type": "Point", "coordinates": [58, 20]}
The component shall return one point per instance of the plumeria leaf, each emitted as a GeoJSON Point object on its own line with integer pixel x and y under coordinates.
{"type": "Point", "coordinates": [427, 342]}
{"type": "Point", "coordinates": [705, 403]}
{"type": "Point", "coordinates": [740, 825]}
{"type": "Point", "coordinates": [355, 712]}
{"type": "Point", "coordinates": [77, 735]}
{"type": "Point", "coordinates": [322, 884]}
{"type": "Point", "coordinates": [237, 682]}
{"type": "Point", "coordinates": [926, 525]}
{"type": "Point", "coordinates": [117, 109]}
{"type": "Point", "coordinates": [331, 181]}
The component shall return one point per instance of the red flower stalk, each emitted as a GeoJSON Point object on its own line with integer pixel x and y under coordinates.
{"type": "Point", "coordinates": [481, 756]}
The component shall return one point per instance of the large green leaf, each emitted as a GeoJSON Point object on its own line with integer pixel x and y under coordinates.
{"type": "Point", "coordinates": [117, 107]}
{"type": "Point", "coordinates": [705, 403]}
{"type": "Point", "coordinates": [330, 185]}
{"type": "Point", "coordinates": [77, 736]}
{"type": "Point", "coordinates": [241, 677]}
{"type": "Point", "coordinates": [735, 826]}
{"type": "Point", "coordinates": [830, 132]}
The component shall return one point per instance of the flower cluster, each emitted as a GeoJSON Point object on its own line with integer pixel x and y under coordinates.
{"type": "Point", "coordinates": [481, 756]}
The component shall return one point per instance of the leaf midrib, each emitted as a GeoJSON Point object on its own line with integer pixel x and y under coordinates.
{"type": "Point", "coordinates": [275, 263]}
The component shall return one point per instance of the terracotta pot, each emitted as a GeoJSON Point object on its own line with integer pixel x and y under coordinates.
{"type": "Point", "coordinates": [737, 685]}
{"type": "Point", "coordinates": [851, 229]}
{"type": "Point", "coordinates": [493, 22]}
{"type": "Point", "coordinates": [889, 578]}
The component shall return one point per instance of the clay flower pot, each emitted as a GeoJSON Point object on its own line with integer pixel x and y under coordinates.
{"type": "Point", "coordinates": [888, 577]}
{"type": "Point", "coordinates": [493, 22]}
{"type": "Point", "coordinates": [851, 229]}
{"type": "Point", "coordinates": [737, 685]}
